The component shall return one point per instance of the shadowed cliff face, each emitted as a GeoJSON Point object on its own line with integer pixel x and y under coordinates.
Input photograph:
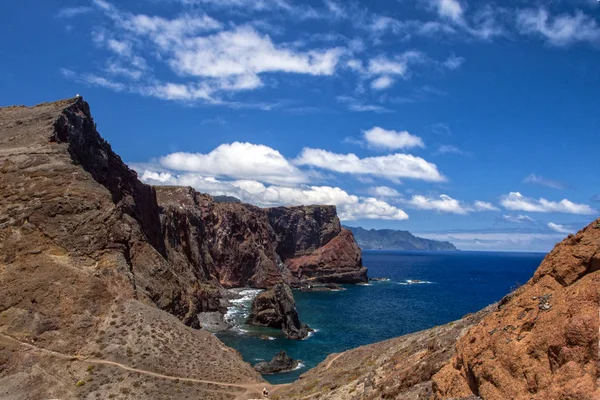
{"type": "Point", "coordinates": [231, 243]}
{"type": "Point", "coordinates": [313, 245]}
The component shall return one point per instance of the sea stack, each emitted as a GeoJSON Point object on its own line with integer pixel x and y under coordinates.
{"type": "Point", "coordinates": [276, 308]}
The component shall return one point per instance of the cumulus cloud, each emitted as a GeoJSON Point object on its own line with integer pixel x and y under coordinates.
{"type": "Point", "coordinates": [539, 180]}
{"type": "Point", "coordinates": [384, 191]}
{"type": "Point", "coordinates": [446, 204]}
{"type": "Point", "coordinates": [392, 167]}
{"type": "Point", "coordinates": [244, 52]}
{"type": "Point", "coordinates": [383, 82]}
{"type": "Point", "coordinates": [484, 206]}
{"type": "Point", "coordinates": [561, 30]}
{"type": "Point", "coordinates": [391, 140]}
{"type": "Point", "coordinates": [238, 161]}
{"type": "Point", "coordinates": [214, 59]}
{"type": "Point", "coordinates": [350, 207]}
{"type": "Point", "coordinates": [518, 219]}
{"type": "Point", "coordinates": [451, 9]}
{"type": "Point", "coordinates": [559, 228]}
{"type": "Point", "coordinates": [517, 202]}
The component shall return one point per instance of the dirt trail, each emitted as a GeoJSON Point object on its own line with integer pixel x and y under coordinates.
{"type": "Point", "coordinates": [330, 363]}
{"type": "Point", "coordinates": [251, 389]}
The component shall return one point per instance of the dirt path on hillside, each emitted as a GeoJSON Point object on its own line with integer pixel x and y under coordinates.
{"type": "Point", "coordinates": [251, 389]}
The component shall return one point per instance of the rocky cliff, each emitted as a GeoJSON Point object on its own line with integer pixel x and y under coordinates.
{"type": "Point", "coordinates": [100, 273]}
{"type": "Point", "coordinates": [539, 342]}
{"type": "Point", "coordinates": [276, 308]}
{"type": "Point", "coordinates": [390, 239]}
{"type": "Point", "coordinates": [315, 247]}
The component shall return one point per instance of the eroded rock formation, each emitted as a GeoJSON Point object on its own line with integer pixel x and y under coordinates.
{"type": "Point", "coordinates": [276, 308]}
{"type": "Point", "coordinates": [315, 247]}
{"type": "Point", "coordinates": [280, 363]}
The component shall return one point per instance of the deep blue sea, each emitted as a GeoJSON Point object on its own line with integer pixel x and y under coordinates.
{"type": "Point", "coordinates": [453, 285]}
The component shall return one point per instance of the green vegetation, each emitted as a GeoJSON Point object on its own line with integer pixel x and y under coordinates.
{"type": "Point", "coordinates": [80, 383]}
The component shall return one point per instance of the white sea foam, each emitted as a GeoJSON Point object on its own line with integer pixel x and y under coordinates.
{"type": "Point", "coordinates": [299, 366]}
{"type": "Point", "coordinates": [311, 333]}
{"type": "Point", "coordinates": [414, 282]}
{"type": "Point", "coordinates": [239, 309]}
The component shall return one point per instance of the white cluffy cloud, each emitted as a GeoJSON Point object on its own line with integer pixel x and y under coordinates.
{"type": "Point", "coordinates": [447, 204]}
{"type": "Point", "coordinates": [238, 161]}
{"type": "Point", "coordinates": [451, 9]}
{"type": "Point", "coordinates": [559, 228]}
{"type": "Point", "coordinates": [392, 167]}
{"type": "Point", "coordinates": [208, 59]}
{"type": "Point", "coordinates": [518, 219]}
{"type": "Point", "coordinates": [350, 207]}
{"type": "Point", "coordinates": [391, 140]}
{"type": "Point", "coordinates": [517, 202]}
{"type": "Point", "coordinates": [384, 191]}
{"type": "Point", "coordinates": [562, 30]}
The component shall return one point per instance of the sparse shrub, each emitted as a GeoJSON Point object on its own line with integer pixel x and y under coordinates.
{"type": "Point", "coordinates": [90, 368]}
{"type": "Point", "coordinates": [80, 383]}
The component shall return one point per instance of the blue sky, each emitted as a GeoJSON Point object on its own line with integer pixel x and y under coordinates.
{"type": "Point", "coordinates": [471, 121]}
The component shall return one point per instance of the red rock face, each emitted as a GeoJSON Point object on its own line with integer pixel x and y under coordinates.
{"type": "Point", "coordinates": [229, 243]}
{"type": "Point", "coordinates": [313, 245]}
{"type": "Point", "coordinates": [337, 261]}
{"type": "Point", "coordinates": [542, 342]}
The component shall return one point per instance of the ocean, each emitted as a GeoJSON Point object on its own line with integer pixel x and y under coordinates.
{"type": "Point", "coordinates": [425, 289]}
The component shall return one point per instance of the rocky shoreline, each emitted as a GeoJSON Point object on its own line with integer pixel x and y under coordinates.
{"type": "Point", "coordinates": [278, 364]}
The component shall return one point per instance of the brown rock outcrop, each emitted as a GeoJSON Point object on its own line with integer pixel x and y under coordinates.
{"type": "Point", "coordinates": [231, 243]}
{"type": "Point", "coordinates": [276, 308]}
{"type": "Point", "coordinates": [542, 341]}
{"type": "Point", "coordinates": [313, 245]}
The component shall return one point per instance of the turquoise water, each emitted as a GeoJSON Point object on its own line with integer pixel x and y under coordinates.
{"type": "Point", "coordinates": [454, 284]}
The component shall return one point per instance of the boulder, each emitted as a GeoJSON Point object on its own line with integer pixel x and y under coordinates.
{"type": "Point", "coordinates": [280, 363]}
{"type": "Point", "coordinates": [276, 308]}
